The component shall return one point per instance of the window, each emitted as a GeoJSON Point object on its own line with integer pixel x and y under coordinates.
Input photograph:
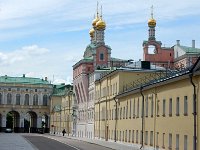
{"type": "Point", "coordinates": [170, 141]}
{"type": "Point", "coordinates": [137, 136]}
{"type": "Point", "coordinates": [129, 137]}
{"type": "Point", "coordinates": [0, 98]}
{"type": "Point", "coordinates": [127, 110]}
{"type": "Point", "coordinates": [134, 108]}
{"type": "Point", "coordinates": [26, 102]}
{"type": "Point", "coordinates": [151, 138]}
{"type": "Point", "coordinates": [146, 106]}
{"type": "Point", "coordinates": [158, 107]}
{"type": "Point", "coordinates": [170, 107]}
{"type": "Point", "coordinates": [157, 137]}
{"type": "Point", "coordinates": [35, 99]}
{"type": "Point", "coordinates": [152, 106]}
{"type": "Point", "coordinates": [130, 109]}
{"type": "Point", "coordinates": [185, 142]}
{"type": "Point", "coordinates": [177, 106]}
{"type": "Point", "coordinates": [124, 113]}
{"type": "Point", "coordinates": [9, 98]}
{"type": "Point", "coordinates": [133, 136]}
{"type": "Point", "coordinates": [18, 89]}
{"type": "Point", "coordinates": [9, 89]}
{"type": "Point", "coordinates": [138, 108]}
{"type": "Point", "coordinates": [35, 90]}
{"type": "Point", "coordinates": [185, 106]}
{"type": "Point", "coordinates": [17, 99]}
{"type": "Point", "coordinates": [146, 137]}
{"type": "Point", "coordinates": [164, 105]}
{"type": "Point", "coordinates": [26, 90]}
{"type": "Point", "coordinates": [163, 140]}
{"type": "Point", "coordinates": [101, 56]}
{"type": "Point", "coordinates": [177, 142]}
{"type": "Point", "coordinates": [45, 100]}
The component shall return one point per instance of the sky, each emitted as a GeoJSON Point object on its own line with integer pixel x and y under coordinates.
{"type": "Point", "coordinates": [45, 38]}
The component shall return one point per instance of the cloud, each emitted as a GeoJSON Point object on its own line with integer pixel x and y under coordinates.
{"type": "Point", "coordinates": [25, 52]}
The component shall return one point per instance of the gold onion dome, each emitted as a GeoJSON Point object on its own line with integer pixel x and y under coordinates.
{"type": "Point", "coordinates": [95, 21]}
{"type": "Point", "coordinates": [91, 32]}
{"type": "Point", "coordinates": [100, 24]}
{"type": "Point", "coordinates": [152, 22]}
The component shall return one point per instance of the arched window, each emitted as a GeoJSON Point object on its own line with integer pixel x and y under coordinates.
{"type": "Point", "coordinates": [26, 102]}
{"type": "Point", "coordinates": [18, 99]}
{"type": "Point", "coordinates": [9, 98]}
{"type": "Point", "coordinates": [45, 100]}
{"type": "Point", "coordinates": [35, 99]}
{"type": "Point", "coordinates": [0, 98]}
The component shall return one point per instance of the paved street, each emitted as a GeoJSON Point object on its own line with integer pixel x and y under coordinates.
{"type": "Point", "coordinates": [43, 143]}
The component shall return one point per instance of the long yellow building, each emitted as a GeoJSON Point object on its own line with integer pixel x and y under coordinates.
{"type": "Point", "coordinates": [62, 109]}
{"type": "Point", "coordinates": [155, 114]}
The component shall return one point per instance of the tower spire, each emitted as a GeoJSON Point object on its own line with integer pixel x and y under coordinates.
{"type": "Point", "coordinates": [97, 9]}
{"type": "Point", "coordinates": [152, 12]}
{"type": "Point", "coordinates": [101, 12]}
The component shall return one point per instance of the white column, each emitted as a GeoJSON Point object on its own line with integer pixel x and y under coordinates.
{"type": "Point", "coordinates": [13, 98]}
{"type": "Point", "coordinates": [3, 121]}
{"type": "Point", "coordinates": [21, 123]}
{"type": "Point", "coordinates": [39, 121]}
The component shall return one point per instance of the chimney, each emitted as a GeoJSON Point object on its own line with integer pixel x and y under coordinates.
{"type": "Point", "coordinates": [24, 75]}
{"type": "Point", "coordinates": [178, 42]}
{"type": "Point", "coordinates": [45, 78]}
{"type": "Point", "coordinates": [193, 43]}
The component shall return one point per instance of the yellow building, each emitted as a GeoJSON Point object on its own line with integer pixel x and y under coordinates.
{"type": "Point", "coordinates": [61, 109]}
{"type": "Point", "coordinates": [159, 114]}
{"type": "Point", "coordinates": [107, 87]}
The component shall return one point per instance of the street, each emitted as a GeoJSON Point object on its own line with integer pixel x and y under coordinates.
{"type": "Point", "coordinates": [53, 142]}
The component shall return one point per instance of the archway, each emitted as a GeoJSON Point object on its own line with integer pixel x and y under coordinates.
{"type": "Point", "coordinates": [30, 122]}
{"type": "Point", "coordinates": [12, 120]}
{"type": "Point", "coordinates": [45, 123]}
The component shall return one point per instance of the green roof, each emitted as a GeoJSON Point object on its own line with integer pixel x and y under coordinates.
{"type": "Point", "coordinates": [62, 90]}
{"type": "Point", "coordinates": [190, 50]}
{"type": "Point", "coordinates": [22, 80]}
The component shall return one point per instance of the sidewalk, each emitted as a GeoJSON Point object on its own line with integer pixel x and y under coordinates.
{"type": "Point", "coordinates": [108, 144]}
{"type": "Point", "coordinates": [14, 141]}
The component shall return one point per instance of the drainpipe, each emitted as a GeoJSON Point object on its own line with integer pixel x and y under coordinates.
{"type": "Point", "coordinates": [142, 117]}
{"type": "Point", "coordinates": [194, 113]}
{"type": "Point", "coordinates": [115, 119]}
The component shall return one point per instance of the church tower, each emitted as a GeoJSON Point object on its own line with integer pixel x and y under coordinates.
{"type": "Point", "coordinates": [152, 50]}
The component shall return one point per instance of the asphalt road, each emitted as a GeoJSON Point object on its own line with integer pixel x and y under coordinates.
{"type": "Point", "coordinates": [60, 143]}
{"type": "Point", "coordinates": [43, 143]}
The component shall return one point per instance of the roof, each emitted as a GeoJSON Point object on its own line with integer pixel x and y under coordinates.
{"type": "Point", "coordinates": [62, 89]}
{"type": "Point", "coordinates": [117, 59]}
{"type": "Point", "coordinates": [22, 80]}
{"type": "Point", "coordinates": [190, 50]}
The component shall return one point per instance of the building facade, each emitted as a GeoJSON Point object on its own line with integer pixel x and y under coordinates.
{"type": "Point", "coordinates": [24, 103]}
{"type": "Point", "coordinates": [62, 110]}
{"type": "Point", "coordinates": [158, 114]}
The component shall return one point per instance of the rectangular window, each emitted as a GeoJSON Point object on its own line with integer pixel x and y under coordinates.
{"type": "Point", "coordinates": [9, 89]}
{"type": "Point", "coordinates": [146, 137]}
{"type": "Point", "coordinates": [121, 113]}
{"type": "Point", "coordinates": [170, 141]}
{"type": "Point", "coordinates": [151, 138]}
{"type": "Point", "coordinates": [164, 105]}
{"type": "Point", "coordinates": [124, 113]}
{"type": "Point", "coordinates": [146, 106]}
{"type": "Point", "coordinates": [177, 106]}
{"type": "Point", "coordinates": [152, 106]}
{"type": "Point", "coordinates": [133, 136]}
{"type": "Point", "coordinates": [130, 113]}
{"type": "Point", "coordinates": [177, 142]}
{"type": "Point", "coordinates": [101, 56]}
{"type": "Point", "coordinates": [129, 137]}
{"type": "Point", "coordinates": [157, 137]}
{"type": "Point", "coordinates": [134, 108]}
{"type": "Point", "coordinates": [170, 107]}
{"type": "Point", "coordinates": [127, 110]}
{"type": "Point", "coordinates": [138, 108]}
{"type": "Point", "coordinates": [185, 105]}
{"type": "Point", "coordinates": [137, 136]}
{"type": "Point", "coordinates": [163, 140]}
{"type": "Point", "coordinates": [185, 142]}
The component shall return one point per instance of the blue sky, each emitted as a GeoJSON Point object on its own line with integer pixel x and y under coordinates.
{"type": "Point", "coordinates": [46, 37]}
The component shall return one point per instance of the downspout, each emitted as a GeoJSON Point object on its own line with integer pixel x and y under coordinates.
{"type": "Point", "coordinates": [115, 119]}
{"type": "Point", "coordinates": [194, 113]}
{"type": "Point", "coordinates": [142, 117]}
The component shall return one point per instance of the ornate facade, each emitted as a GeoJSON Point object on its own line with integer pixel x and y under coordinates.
{"type": "Point", "coordinates": [24, 103]}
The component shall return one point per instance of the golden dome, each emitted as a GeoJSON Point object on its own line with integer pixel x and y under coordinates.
{"type": "Point", "coordinates": [100, 24]}
{"type": "Point", "coordinates": [95, 21]}
{"type": "Point", "coordinates": [91, 32]}
{"type": "Point", "coordinates": [152, 22]}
